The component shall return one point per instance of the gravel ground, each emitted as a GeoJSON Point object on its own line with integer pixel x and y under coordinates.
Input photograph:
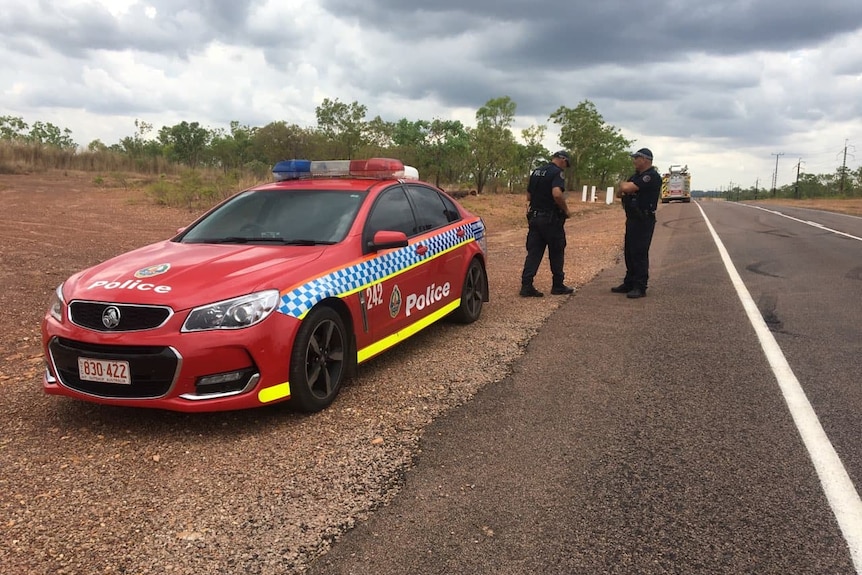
{"type": "Point", "coordinates": [93, 489]}
{"type": "Point", "coordinates": [88, 489]}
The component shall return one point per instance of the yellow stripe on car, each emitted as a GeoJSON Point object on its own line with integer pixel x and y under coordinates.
{"type": "Point", "coordinates": [268, 394]}
{"type": "Point", "coordinates": [387, 342]}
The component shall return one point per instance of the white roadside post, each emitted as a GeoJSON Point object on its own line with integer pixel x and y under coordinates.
{"type": "Point", "coordinates": [593, 194]}
{"type": "Point", "coordinates": [584, 196]}
{"type": "Point", "coordinates": [609, 196]}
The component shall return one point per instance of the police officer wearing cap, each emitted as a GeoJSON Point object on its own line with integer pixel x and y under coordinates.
{"type": "Point", "coordinates": [546, 215]}
{"type": "Point", "coordinates": [639, 195]}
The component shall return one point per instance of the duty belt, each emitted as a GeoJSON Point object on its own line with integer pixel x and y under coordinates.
{"type": "Point", "coordinates": [638, 212]}
{"type": "Point", "coordinates": [538, 213]}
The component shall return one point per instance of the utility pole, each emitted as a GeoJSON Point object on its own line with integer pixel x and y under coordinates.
{"type": "Point", "coordinates": [798, 169]}
{"type": "Point", "coordinates": [756, 188]}
{"type": "Point", "coordinates": [775, 174]}
{"type": "Point", "coordinates": [843, 170]}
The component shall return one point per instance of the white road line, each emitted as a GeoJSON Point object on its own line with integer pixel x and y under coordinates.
{"type": "Point", "coordinates": [839, 489]}
{"type": "Point", "coordinates": [806, 222]}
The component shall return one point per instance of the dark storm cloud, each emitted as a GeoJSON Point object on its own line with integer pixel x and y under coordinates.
{"type": "Point", "coordinates": [545, 56]}
{"type": "Point", "coordinates": [178, 27]}
{"type": "Point", "coordinates": [569, 35]}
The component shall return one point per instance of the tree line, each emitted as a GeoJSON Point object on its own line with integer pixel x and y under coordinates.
{"type": "Point", "coordinates": [484, 157]}
{"type": "Point", "coordinates": [843, 183]}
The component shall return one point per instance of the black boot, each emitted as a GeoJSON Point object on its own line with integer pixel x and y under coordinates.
{"type": "Point", "coordinates": [528, 290]}
{"type": "Point", "coordinates": [636, 293]}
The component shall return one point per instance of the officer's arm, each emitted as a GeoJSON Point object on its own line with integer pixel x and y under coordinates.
{"type": "Point", "coordinates": [560, 200]}
{"type": "Point", "coordinates": [628, 188]}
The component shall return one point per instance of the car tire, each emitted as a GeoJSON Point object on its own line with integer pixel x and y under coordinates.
{"type": "Point", "coordinates": [318, 362]}
{"type": "Point", "coordinates": [473, 294]}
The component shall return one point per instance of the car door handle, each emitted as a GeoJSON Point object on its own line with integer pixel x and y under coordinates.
{"type": "Point", "coordinates": [461, 233]}
{"type": "Point", "coordinates": [421, 249]}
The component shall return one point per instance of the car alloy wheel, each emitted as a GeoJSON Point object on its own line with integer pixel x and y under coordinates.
{"type": "Point", "coordinates": [318, 361]}
{"type": "Point", "coordinates": [472, 294]}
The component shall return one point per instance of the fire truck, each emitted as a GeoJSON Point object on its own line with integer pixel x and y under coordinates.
{"type": "Point", "coordinates": [676, 184]}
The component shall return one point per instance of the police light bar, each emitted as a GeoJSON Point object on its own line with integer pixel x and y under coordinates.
{"type": "Point", "coordinates": [378, 168]}
{"type": "Point", "coordinates": [330, 168]}
{"type": "Point", "coordinates": [291, 170]}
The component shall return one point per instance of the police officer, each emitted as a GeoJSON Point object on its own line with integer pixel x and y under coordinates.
{"type": "Point", "coordinates": [639, 197]}
{"type": "Point", "coordinates": [546, 215]}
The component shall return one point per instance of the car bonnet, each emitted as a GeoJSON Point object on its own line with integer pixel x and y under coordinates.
{"type": "Point", "coordinates": [187, 275]}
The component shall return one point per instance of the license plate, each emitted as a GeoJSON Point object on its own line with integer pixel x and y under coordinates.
{"type": "Point", "coordinates": [104, 371]}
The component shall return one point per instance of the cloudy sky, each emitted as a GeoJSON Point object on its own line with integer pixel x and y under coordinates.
{"type": "Point", "coordinates": [725, 86]}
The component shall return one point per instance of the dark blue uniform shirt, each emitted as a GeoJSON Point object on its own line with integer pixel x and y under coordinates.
{"type": "Point", "coordinates": [649, 190]}
{"type": "Point", "coordinates": [543, 180]}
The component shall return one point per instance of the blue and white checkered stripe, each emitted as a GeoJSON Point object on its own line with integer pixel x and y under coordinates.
{"type": "Point", "coordinates": [300, 300]}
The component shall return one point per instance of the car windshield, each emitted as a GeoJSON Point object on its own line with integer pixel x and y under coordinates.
{"type": "Point", "coordinates": [289, 217]}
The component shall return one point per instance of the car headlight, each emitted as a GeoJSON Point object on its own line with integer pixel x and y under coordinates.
{"type": "Point", "coordinates": [55, 309]}
{"type": "Point", "coordinates": [235, 313]}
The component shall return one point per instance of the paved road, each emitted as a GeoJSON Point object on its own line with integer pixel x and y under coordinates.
{"type": "Point", "coordinates": [645, 436]}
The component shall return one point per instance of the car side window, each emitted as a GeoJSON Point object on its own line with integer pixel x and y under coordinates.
{"type": "Point", "coordinates": [391, 211]}
{"type": "Point", "coordinates": [433, 208]}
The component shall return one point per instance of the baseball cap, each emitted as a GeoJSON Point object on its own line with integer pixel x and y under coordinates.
{"type": "Point", "coordinates": [643, 152]}
{"type": "Point", "coordinates": [565, 155]}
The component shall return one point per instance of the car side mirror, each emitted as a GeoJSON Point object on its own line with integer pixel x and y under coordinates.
{"type": "Point", "coordinates": [386, 239]}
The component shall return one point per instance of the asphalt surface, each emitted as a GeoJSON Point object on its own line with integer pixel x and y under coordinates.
{"type": "Point", "coordinates": [634, 436]}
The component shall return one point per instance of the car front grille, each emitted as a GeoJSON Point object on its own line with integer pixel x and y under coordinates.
{"type": "Point", "coordinates": [89, 314]}
{"type": "Point", "coordinates": [153, 369]}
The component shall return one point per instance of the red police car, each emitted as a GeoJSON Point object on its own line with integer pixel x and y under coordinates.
{"type": "Point", "coordinates": [277, 293]}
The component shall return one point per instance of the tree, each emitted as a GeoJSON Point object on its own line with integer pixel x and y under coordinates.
{"type": "Point", "coordinates": [343, 124]}
{"type": "Point", "coordinates": [598, 150]}
{"type": "Point", "coordinates": [185, 142]}
{"type": "Point", "coordinates": [140, 145]}
{"type": "Point", "coordinates": [845, 178]}
{"type": "Point", "coordinates": [48, 134]}
{"type": "Point", "coordinates": [97, 146]}
{"type": "Point", "coordinates": [492, 142]}
{"type": "Point", "coordinates": [409, 134]}
{"type": "Point", "coordinates": [13, 129]}
{"type": "Point", "coordinates": [378, 135]}
{"type": "Point", "coordinates": [611, 160]}
{"type": "Point", "coordinates": [16, 130]}
{"type": "Point", "coordinates": [282, 141]}
{"type": "Point", "coordinates": [533, 152]}
{"type": "Point", "coordinates": [445, 152]}
{"type": "Point", "coordinates": [234, 150]}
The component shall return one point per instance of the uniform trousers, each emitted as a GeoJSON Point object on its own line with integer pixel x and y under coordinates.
{"type": "Point", "coordinates": [545, 231]}
{"type": "Point", "coordinates": [639, 232]}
